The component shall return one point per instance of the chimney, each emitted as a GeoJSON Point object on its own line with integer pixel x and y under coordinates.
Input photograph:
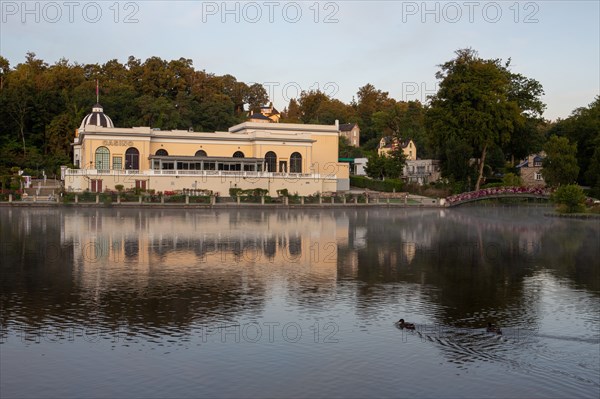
{"type": "Point", "coordinates": [337, 124]}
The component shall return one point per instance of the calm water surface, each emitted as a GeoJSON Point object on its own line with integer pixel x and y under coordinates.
{"type": "Point", "coordinates": [300, 303]}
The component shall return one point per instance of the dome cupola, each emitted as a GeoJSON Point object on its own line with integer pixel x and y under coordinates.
{"type": "Point", "coordinates": [96, 118]}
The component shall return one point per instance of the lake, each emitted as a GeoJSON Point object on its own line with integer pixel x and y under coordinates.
{"type": "Point", "coordinates": [298, 303]}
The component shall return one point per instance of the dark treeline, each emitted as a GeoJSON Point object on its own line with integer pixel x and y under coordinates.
{"type": "Point", "coordinates": [41, 105]}
{"type": "Point", "coordinates": [482, 110]}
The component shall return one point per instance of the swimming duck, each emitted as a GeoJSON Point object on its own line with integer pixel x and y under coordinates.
{"type": "Point", "coordinates": [402, 324]}
{"type": "Point", "coordinates": [492, 328]}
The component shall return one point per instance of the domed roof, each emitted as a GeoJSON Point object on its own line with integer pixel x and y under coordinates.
{"type": "Point", "coordinates": [96, 118]}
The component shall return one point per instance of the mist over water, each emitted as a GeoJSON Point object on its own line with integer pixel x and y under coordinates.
{"type": "Point", "coordinates": [298, 303]}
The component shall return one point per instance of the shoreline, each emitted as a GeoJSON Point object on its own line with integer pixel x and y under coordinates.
{"type": "Point", "coordinates": [582, 216]}
{"type": "Point", "coordinates": [233, 205]}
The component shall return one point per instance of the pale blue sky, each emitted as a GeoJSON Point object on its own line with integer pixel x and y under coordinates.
{"type": "Point", "coordinates": [395, 45]}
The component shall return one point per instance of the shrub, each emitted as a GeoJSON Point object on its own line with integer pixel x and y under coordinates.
{"type": "Point", "coordinates": [570, 198]}
{"type": "Point", "coordinates": [511, 180]}
{"type": "Point", "coordinates": [235, 191]}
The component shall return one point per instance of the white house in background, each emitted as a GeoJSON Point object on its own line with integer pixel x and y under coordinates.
{"type": "Point", "coordinates": [422, 171]}
{"type": "Point", "coordinates": [359, 166]}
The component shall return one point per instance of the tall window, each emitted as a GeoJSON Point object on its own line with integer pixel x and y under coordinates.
{"type": "Point", "coordinates": [102, 158]}
{"type": "Point", "coordinates": [161, 153]}
{"type": "Point", "coordinates": [200, 153]}
{"type": "Point", "coordinates": [238, 154]}
{"type": "Point", "coordinates": [117, 163]}
{"type": "Point", "coordinates": [132, 158]}
{"type": "Point", "coordinates": [296, 163]}
{"type": "Point", "coordinates": [271, 162]}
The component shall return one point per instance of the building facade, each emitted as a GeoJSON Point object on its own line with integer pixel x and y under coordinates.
{"type": "Point", "coordinates": [422, 171]}
{"type": "Point", "coordinates": [388, 144]}
{"type": "Point", "coordinates": [272, 156]}
{"type": "Point", "coordinates": [351, 131]}
{"type": "Point", "coordinates": [530, 170]}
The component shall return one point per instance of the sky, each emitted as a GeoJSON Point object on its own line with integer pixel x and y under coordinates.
{"type": "Point", "coordinates": [334, 46]}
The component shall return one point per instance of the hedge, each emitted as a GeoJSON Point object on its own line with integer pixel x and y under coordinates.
{"type": "Point", "coordinates": [388, 185]}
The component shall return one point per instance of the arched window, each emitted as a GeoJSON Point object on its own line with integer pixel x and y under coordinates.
{"type": "Point", "coordinates": [161, 153]}
{"type": "Point", "coordinates": [238, 154]}
{"type": "Point", "coordinates": [132, 158]}
{"type": "Point", "coordinates": [200, 153]}
{"type": "Point", "coordinates": [270, 162]}
{"type": "Point", "coordinates": [102, 158]}
{"type": "Point", "coordinates": [296, 163]}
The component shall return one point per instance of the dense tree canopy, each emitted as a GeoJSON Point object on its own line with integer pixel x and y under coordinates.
{"type": "Point", "coordinates": [560, 165]}
{"type": "Point", "coordinates": [386, 166]}
{"type": "Point", "coordinates": [480, 105]}
{"type": "Point", "coordinates": [484, 116]}
{"type": "Point", "coordinates": [583, 129]}
{"type": "Point", "coordinates": [41, 105]}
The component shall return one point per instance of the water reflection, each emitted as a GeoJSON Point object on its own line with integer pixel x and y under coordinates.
{"type": "Point", "coordinates": [166, 274]}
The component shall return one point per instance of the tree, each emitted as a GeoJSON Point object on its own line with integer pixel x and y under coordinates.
{"type": "Point", "coordinates": [512, 180]}
{"type": "Point", "coordinates": [583, 128]}
{"type": "Point", "coordinates": [570, 198]}
{"type": "Point", "coordinates": [370, 101]}
{"type": "Point", "coordinates": [480, 103]}
{"type": "Point", "coordinates": [348, 151]}
{"type": "Point", "coordinates": [375, 167]}
{"type": "Point", "coordinates": [292, 113]}
{"type": "Point", "coordinates": [593, 172]}
{"type": "Point", "coordinates": [255, 96]}
{"type": "Point", "coordinates": [560, 165]}
{"type": "Point", "coordinates": [41, 105]}
{"type": "Point", "coordinates": [384, 166]}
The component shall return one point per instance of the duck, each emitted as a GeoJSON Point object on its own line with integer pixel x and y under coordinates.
{"type": "Point", "coordinates": [492, 328]}
{"type": "Point", "coordinates": [402, 324]}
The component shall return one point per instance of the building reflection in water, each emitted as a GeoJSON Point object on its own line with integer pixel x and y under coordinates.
{"type": "Point", "coordinates": [454, 267]}
{"type": "Point", "coordinates": [211, 259]}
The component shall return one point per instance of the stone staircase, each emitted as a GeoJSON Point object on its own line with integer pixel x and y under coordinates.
{"type": "Point", "coordinates": [43, 189]}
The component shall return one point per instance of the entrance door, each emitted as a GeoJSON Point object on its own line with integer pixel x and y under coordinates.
{"type": "Point", "coordinates": [96, 185]}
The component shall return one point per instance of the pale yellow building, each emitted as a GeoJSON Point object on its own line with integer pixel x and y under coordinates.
{"type": "Point", "coordinates": [387, 144]}
{"type": "Point", "coordinates": [267, 114]}
{"type": "Point", "coordinates": [273, 156]}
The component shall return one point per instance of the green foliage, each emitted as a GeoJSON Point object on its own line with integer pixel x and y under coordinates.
{"type": "Point", "coordinates": [560, 165]}
{"type": "Point", "coordinates": [348, 151]}
{"type": "Point", "coordinates": [318, 108]}
{"type": "Point", "coordinates": [41, 105]}
{"type": "Point", "coordinates": [386, 166]}
{"type": "Point", "coordinates": [388, 185]}
{"type": "Point", "coordinates": [252, 193]}
{"type": "Point", "coordinates": [583, 128]}
{"type": "Point", "coordinates": [480, 104]}
{"type": "Point", "coordinates": [570, 198]}
{"type": "Point", "coordinates": [511, 180]}
{"type": "Point", "coordinates": [235, 192]}
{"type": "Point", "coordinates": [593, 172]}
{"type": "Point", "coordinates": [119, 187]}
